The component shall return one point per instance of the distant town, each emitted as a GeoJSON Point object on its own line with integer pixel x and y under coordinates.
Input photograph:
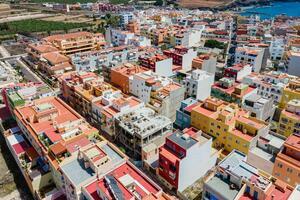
{"type": "Point", "coordinates": [149, 100]}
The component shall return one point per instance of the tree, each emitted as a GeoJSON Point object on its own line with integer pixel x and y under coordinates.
{"type": "Point", "coordinates": [214, 44]}
{"type": "Point", "coordinates": [159, 3]}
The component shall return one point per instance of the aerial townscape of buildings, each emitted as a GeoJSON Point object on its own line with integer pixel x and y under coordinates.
{"type": "Point", "coordinates": [155, 103]}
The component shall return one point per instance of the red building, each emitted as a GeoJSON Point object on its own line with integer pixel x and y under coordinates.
{"type": "Point", "coordinates": [178, 167]}
{"type": "Point", "coordinates": [177, 54]}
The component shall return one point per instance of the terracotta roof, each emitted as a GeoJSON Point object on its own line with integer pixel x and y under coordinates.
{"type": "Point", "coordinates": [67, 36]}
{"type": "Point", "coordinates": [58, 148]}
{"type": "Point", "coordinates": [55, 58]}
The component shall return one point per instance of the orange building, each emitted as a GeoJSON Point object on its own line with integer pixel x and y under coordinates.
{"type": "Point", "coordinates": [48, 121]}
{"type": "Point", "coordinates": [287, 163]}
{"type": "Point", "coordinates": [133, 27]}
{"type": "Point", "coordinates": [120, 75]}
{"type": "Point", "coordinates": [76, 42]}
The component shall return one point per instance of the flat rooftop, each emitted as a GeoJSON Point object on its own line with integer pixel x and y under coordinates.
{"type": "Point", "coordinates": [263, 154]}
{"type": "Point", "coordinates": [235, 163]}
{"type": "Point", "coordinates": [222, 188]}
{"type": "Point", "coordinates": [125, 177]}
{"type": "Point", "coordinates": [183, 140]}
{"type": "Point", "coordinates": [76, 172]}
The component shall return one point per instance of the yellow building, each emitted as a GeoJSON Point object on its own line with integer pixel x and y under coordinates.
{"type": "Point", "coordinates": [289, 121]}
{"type": "Point", "coordinates": [290, 92]}
{"type": "Point", "coordinates": [231, 126]}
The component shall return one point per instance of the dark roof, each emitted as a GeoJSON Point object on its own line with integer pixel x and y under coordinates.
{"type": "Point", "coordinates": [183, 140]}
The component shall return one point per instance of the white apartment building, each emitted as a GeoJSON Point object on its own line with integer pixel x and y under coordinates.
{"type": "Point", "coordinates": [140, 41]}
{"type": "Point", "coordinates": [189, 38]}
{"type": "Point", "coordinates": [269, 85]}
{"type": "Point", "coordinates": [198, 84]}
{"type": "Point", "coordinates": [293, 63]}
{"type": "Point", "coordinates": [125, 18]}
{"type": "Point", "coordinates": [260, 107]}
{"type": "Point", "coordinates": [118, 37]}
{"type": "Point", "coordinates": [142, 84]}
{"type": "Point", "coordinates": [276, 48]}
{"type": "Point", "coordinates": [159, 93]}
{"type": "Point", "coordinates": [250, 55]}
{"type": "Point", "coordinates": [264, 153]}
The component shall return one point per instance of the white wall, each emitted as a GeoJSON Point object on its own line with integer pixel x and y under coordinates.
{"type": "Point", "coordinates": [187, 59]}
{"type": "Point", "coordinates": [294, 66]}
{"type": "Point", "coordinates": [195, 165]}
{"type": "Point", "coordinates": [210, 65]}
{"type": "Point", "coordinates": [164, 67]}
{"type": "Point", "coordinates": [260, 163]}
{"type": "Point", "coordinates": [244, 72]}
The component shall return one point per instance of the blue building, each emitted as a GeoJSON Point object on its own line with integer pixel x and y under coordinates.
{"type": "Point", "coordinates": [183, 114]}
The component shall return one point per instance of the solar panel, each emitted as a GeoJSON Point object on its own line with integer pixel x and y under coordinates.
{"type": "Point", "coordinates": [114, 188]}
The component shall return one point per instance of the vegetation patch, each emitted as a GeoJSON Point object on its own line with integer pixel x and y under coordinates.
{"type": "Point", "coordinates": [63, 1]}
{"type": "Point", "coordinates": [214, 44]}
{"type": "Point", "coordinates": [32, 26]}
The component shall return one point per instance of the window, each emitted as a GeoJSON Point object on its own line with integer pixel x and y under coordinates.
{"type": "Point", "coordinates": [279, 165]}
{"type": "Point", "coordinates": [172, 167]}
{"type": "Point", "coordinates": [289, 170]}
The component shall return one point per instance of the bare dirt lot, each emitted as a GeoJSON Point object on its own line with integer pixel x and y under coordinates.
{"type": "Point", "coordinates": [203, 3]}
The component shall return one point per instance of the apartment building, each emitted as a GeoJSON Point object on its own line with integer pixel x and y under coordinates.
{"type": "Point", "coordinates": [292, 59]}
{"type": "Point", "coordinates": [183, 114]}
{"type": "Point", "coordinates": [277, 48]}
{"type": "Point", "coordinates": [291, 91]}
{"type": "Point", "coordinates": [198, 84]}
{"type": "Point", "coordinates": [236, 179]}
{"type": "Point", "coordinates": [137, 129]}
{"type": "Point", "coordinates": [182, 57]}
{"type": "Point", "coordinates": [269, 85]}
{"type": "Point", "coordinates": [71, 43]}
{"type": "Point", "coordinates": [79, 89]}
{"type": "Point", "coordinates": [238, 71]}
{"type": "Point", "coordinates": [48, 122]}
{"type": "Point", "coordinates": [125, 18]}
{"type": "Point", "coordinates": [182, 156]}
{"type": "Point", "coordinates": [55, 63]}
{"type": "Point", "coordinates": [229, 90]}
{"type": "Point", "coordinates": [189, 38]}
{"type": "Point", "coordinates": [231, 126]}
{"type": "Point", "coordinates": [263, 155]}
{"type": "Point", "coordinates": [159, 93]}
{"type": "Point", "coordinates": [259, 107]}
{"type": "Point", "coordinates": [133, 27]}
{"type": "Point", "coordinates": [112, 105]}
{"type": "Point", "coordinates": [250, 55]}
{"type": "Point", "coordinates": [94, 60]}
{"type": "Point", "coordinates": [287, 162]}
{"type": "Point", "coordinates": [121, 75]}
{"type": "Point", "coordinates": [289, 121]}
{"type": "Point", "coordinates": [83, 168]}
{"type": "Point", "coordinates": [205, 62]}
{"type": "Point", "coordinates": [124, 182]}
{"type": "Point", "coordinates": [30, 163]}
{"type": "Point", "coordinates": [21, 93]}
{"type": "Point", "coordinates": [216, 34]}
{"type": "Point", "coordinates": [48, 59]}
{"type": "Point", "coordinates": [119, 37]}
{"type": "Point", "coordinates": [160, 64]}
